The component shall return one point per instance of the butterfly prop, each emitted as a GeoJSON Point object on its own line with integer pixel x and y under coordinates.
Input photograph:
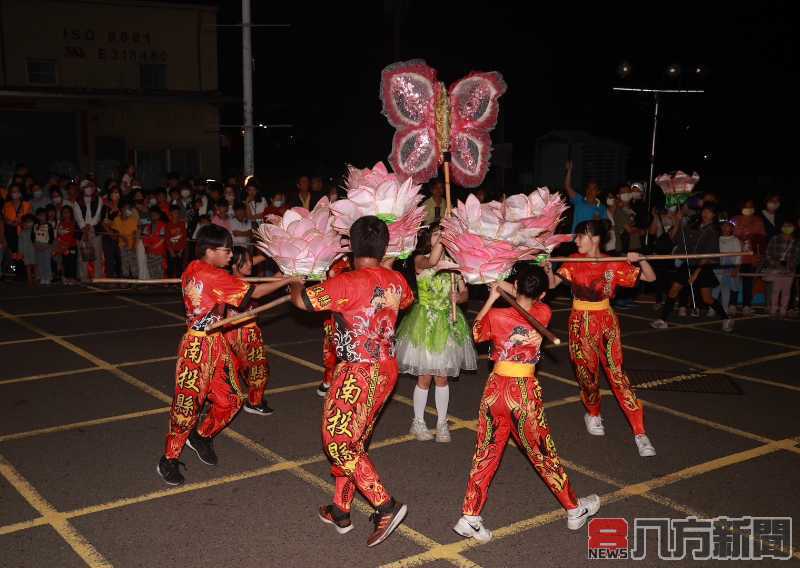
{"type": "Point", "coordinates": [431, 120]}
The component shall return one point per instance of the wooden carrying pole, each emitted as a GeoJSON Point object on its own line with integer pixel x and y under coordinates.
{"type": "Point", "coordinates": [254, 280]}
{"type": "Point", "coordinates": [448, 210]}
{"type": "Point", "coordinates": [252, 314]}
{"type": "Point", "coordinates": [540, 329]}
{"type": "Point", "coordinates": [649, 257]}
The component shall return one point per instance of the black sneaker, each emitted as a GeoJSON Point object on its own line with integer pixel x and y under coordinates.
{"type": "Point", "coordinates": [322, 389]}
{"type": "Point", "coordinates": [263, 409]}
{"type": "Point", "coordinates": [203, 447]}
{"type": "Point", "coordinates": [386, 522]}
{"type": "Point", "coordinates": [169, 470]}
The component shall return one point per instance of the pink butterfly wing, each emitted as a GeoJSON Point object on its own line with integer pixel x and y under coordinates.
{"type": "Point", "coordinates": [408, 92]}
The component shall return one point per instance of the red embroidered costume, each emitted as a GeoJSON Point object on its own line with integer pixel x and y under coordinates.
{"type": "Point", "coordinates": [512, 405]}
{"type": "Point", "coordinates": [247, 344]}
{"type": "Point", "coordinates": [595, 336]}
{"type": "Point", "coordinates": [364, 303]}
{"type": "Point", "coordinates": [206, 366]}
{"type": "Point", "coordinates": [328, 350]}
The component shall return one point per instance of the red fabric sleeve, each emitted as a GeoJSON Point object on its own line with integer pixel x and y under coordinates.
{"type": "Point", "coordinates": [227, 289]}
{"type": "Point", "coordinates": [626, 274]}
{"type": "Point", "coordinates": [482, 328]}
{"type": "Point", "coordinates": [332, 294]}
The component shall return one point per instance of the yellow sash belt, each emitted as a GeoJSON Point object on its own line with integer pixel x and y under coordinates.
{"type": "Point", "coordinates": [512, 369]}
{"type": "Point", "coordinates": [584, 306]}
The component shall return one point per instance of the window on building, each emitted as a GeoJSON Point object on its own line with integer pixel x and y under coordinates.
{"type": "Point", "coordinates": [153, 76]}
{"type": "Point", "coordinates": [42, 71]}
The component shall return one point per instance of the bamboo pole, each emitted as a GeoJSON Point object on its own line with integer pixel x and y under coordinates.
{"type": "Point", "coordinates": [448, 210]}
{"type": "Point", "coordinates": [252, 314]}
{"type": "Point", "coordinates": [649, 257]}
{"type": "Point", "coordinates": [167, 281]}
{"type": "Point", "coordinates": [537, 325]}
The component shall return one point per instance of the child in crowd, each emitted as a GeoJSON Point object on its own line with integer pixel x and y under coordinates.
{"type": "Point", "coordinates": [177, 239]}
{"type": "Point", "coordinates": [155, 243]}
{"type": "Point", "coordinates": [220, 216]}
{"type": "Point", "coordinates": [26, 249]}
{"type": "Point", "coordinates": [67, 246]}
{"type": "Point", "coordinates": [728, 272]}
{"type": "Point", "coordinates": [782, 255]}
{"type": "Point", "coordinates": [126, 227]}
{"type": "Point", "coordinates": [43, 238]}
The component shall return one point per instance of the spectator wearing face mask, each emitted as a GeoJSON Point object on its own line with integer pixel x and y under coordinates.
{"type": "Point", "coordinates": [782, 255]}
{"type": "Point", "coordinates": [751, 231]}
{"type": "Point", "coordinates": [772, 215]}
{"type": "Point", "coordinates": [89, 216]}
{"type": "Point", "coordinates": [39, 199]}
{"type": "Point", "coordinates": [277, 206]}
{"type": "Point", "coordinates": [14, 209]}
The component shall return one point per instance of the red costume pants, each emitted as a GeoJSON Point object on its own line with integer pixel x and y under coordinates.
{"type": "Point", "coordinates": [595, 339]}
{"type": "Point", "coordinates": [328, 351]}
{"type": "Point", "coordinates": [356, 397]}
{"type": "Point", "coordinates": [206, 368]}
{"type": "Point", "coordinates": [514, 406]}
{"type": "Point", "coordinates": [248, 347]}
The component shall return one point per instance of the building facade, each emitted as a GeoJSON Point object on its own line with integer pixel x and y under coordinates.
{"type": "Point", "coordinates": [90, 85]}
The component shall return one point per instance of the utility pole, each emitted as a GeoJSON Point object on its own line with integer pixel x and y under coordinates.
{"type": "Point", "coordinates": [247, 91]}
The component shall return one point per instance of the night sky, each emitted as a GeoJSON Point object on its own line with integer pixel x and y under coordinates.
{"type": "Point", "coordinates": [560, 63]}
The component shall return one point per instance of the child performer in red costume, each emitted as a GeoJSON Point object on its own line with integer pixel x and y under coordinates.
{"type": "Point", "coordinates": [329, 359]}
{"type": "Point", "coordinates": [512, 404]}
{"type": "Point", "coordinates": [364, 303]}
{"type": "Point", "coordinates": [206, 367]}
{"type": "Point", "coordinates": [247, 342]}
{"type": "Point", "coordinates": [594, 333]}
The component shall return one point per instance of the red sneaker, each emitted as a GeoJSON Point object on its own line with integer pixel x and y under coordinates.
{"type": "Point", "coordinates": [386, 523]}
{"type": "Point", "coordinates": [342, 524]}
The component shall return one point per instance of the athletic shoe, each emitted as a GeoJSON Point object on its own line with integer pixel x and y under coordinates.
{"type": "Point", "coordinates": [659, 324]}
{"type": "Point", "coordinates": [594, 425]}
{"type": "Point", "coordinates": [644, 445]}
{"type": "Point", "coordinates": [470, 526]}
{"type": "Point", "coordinates": [747, 311]}
{"type": "Point", "coordinates": [727, 325]}
{"type": "Point", "coordinates": [263, 409]}
{"type": "Point", "coordinates": [342, 523]}
{"type": "Point", "coordinates": [322, 389]}
{"type": "Point", "coordinates": [203, 447]}
{"type": "Point", "coordinates": [695, 312]}
{"type": "Point", "coordinates": [386, 523]}
{"type": "Point", "coordinates": [420, 430]}
{"type": "Point", "coordinates": [170, 472]}
{"type": "Point", "coordinates": [442, 433]}
{"type": "Point", "coordinates": [587, 506]}
{"type": "Point", "coordinates": [711, 313]}
{"type": "Point", "coordinates": [731, 311]}
{"type": "Point", "coordinates": [683, 312]}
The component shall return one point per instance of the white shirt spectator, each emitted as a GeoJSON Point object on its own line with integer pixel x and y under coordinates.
{"type": "Point", "coordinates": [92, 217]}
{"type": "Point", "coordinates": [236, 225]}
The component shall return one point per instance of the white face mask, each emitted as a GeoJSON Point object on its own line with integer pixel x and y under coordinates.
{"type": "Point", "coordinates": [773, 206]}
{"type": "Point", "coordinates": [610, 201]}
{"type": "Point", "coordinates": [153, 201]}
{"type": "Point", "coordinates": [277, 202]}
{"type": "Point", "coordinates": [625, 197]}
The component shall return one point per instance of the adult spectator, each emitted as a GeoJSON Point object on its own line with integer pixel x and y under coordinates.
{"type": "Point", "coordinates": [751, 231]}
{"type": "Point", "coordinates": [436, 204]}
{"type": "Point", "coordinates": [89, 216]}
{"type": "Point", "coordinates": [587, 206]}
{"type": "Point", "coordinates": [772, 215]}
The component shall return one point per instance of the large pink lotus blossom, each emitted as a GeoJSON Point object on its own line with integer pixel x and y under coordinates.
{"type": "Point", "coordinates": [302, 243]}
{"type": "Point", "coordinates": [481, 259]}
{"type": "Point", "coordinates": [538, 214]}
{"type": "Point", "coordinates": [377, 192]}
{"type": "Point", "coordinates": [677, 183]}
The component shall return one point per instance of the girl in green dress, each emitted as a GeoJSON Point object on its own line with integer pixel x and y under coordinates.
{"type": "Point", "coordinates": [429, 344]}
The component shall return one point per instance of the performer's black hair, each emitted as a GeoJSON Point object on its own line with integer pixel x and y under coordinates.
{"type": "Point", "coordinates": [532, 281]}
{"type": "Point", "coordinates": [211, 237]}
{"type": "Point", "coordinates": [593, 228]}
{"type": "Point", "coordinates": [240, 256]}
{"type": "Point", "coordinates": [369, 237]}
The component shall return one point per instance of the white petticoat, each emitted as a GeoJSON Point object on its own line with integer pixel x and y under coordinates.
{"type": "Point", "coordinates": [449, 362]}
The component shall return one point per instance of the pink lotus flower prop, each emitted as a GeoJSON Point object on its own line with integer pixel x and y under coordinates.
{"type": "Point", "coordinates": [377, 192]}
{"type": "Point", "coordinates": [302, 243]}
{"type": "Point", "coordinates": [487, 239]}
{"type": "Point", "coordinates": [677, 187]}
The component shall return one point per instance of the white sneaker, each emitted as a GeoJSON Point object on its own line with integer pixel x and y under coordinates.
{"type": "Point", "coordinates": [683, 312]}
{"type": "Point", "coordinates": [470, 526]}
{"type": "Point", "coordinates": [731, 311]}
{"type": "Point", "coordinates": [727, 325]}
{"type": "Point", "coordinates": [420, 430]}
{"type": "Point", "coordinates": [747, 311]}
{"type": "Point", "coordinates": [587, 506]}
{"type": "Point", "coordinates": [711, 313]}
{"type": "Point", "coordinates": [594, 425]}
{"type": "Point", "coordinates": [695, 312]}
{"type": "Point", "coordinates": [442, 433]}
{"type": "Point", "coordinates": [659, 324]}
{"type": "Point", "coordinates": [644, 445]}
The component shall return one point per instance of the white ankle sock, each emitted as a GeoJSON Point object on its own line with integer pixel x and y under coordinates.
{"type": "Point", "coordinates": [420, 402]}
{"type": "Point", "coordinates": [442, 399]}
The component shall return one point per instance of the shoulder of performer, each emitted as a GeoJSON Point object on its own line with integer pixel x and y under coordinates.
{"type": "Point", "coordinates": [542, 312]}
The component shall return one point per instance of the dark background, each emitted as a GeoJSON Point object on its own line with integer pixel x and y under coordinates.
{"type": "Point", "coordinates": [560, 62]}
